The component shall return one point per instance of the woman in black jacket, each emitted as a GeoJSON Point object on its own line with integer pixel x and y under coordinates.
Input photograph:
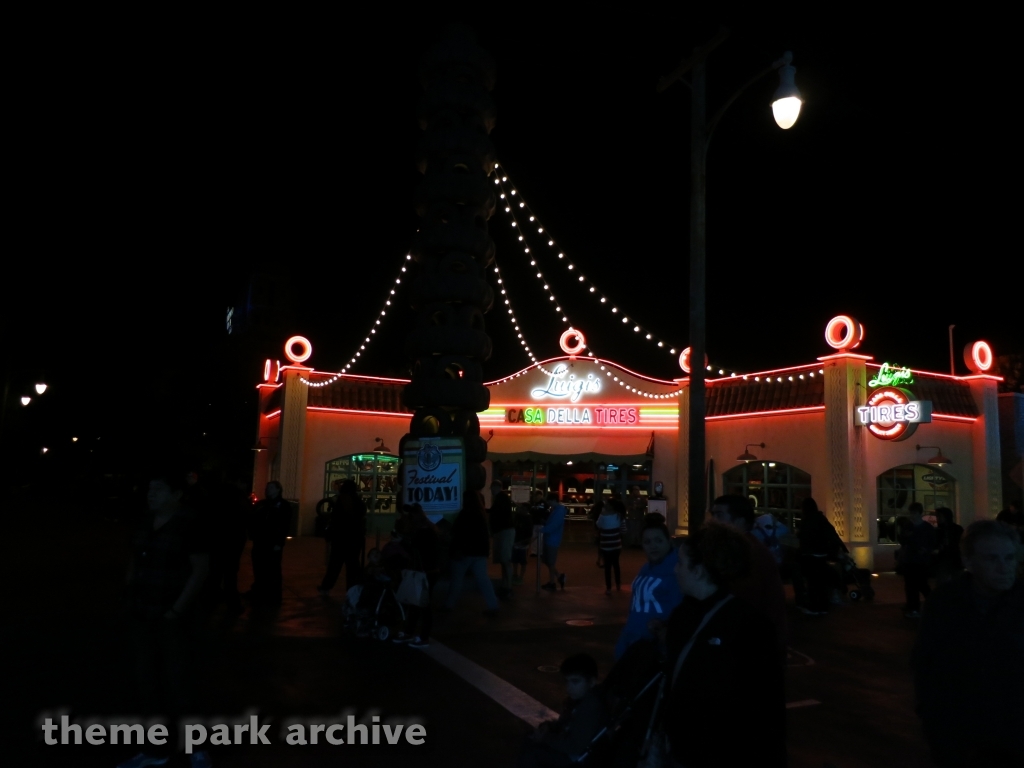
{"type": "Point", "coordinates": [725, 701]}
{"type": "Point", "coordinates": [268, 529]}
{"type": "Point", "coordinates": [347, 534]}
{"type": "Point", "coordinates": [819, 542]}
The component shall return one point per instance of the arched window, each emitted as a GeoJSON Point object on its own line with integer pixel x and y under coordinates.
{"type": "Point", "coordinates": [771, 486]}
{"type": "Point", "coordinates": [900, 487]}
{"type": "Point", "coordinates": [375, 475]}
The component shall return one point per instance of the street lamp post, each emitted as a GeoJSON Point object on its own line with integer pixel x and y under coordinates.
{"type": "Point", "coordinates": [786, 108]}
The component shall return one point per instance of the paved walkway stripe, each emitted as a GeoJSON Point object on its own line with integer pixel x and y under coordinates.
{"type": "Point", "coordinates": [521, 705]}
{"type": "Point", "coordinates": [803, 703]}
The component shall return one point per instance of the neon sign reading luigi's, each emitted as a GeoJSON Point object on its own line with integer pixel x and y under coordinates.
{"type": "Point", "coordinates": [891, 376]}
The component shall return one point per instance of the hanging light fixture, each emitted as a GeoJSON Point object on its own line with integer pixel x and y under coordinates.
{"type": "Point", "coordinates": [747, 456]}
{"type": "Point", "coordinates": [381, 448]}
{"type": "Point", "coordinates": [259, 446]}
{"type": "Point", "coordinates": [787, 101]}
{"type": "Point", "coordinates": [938, 460]}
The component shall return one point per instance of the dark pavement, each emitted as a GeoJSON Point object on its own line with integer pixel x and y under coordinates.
{"type": "Point", "coordinates": [65, 648]}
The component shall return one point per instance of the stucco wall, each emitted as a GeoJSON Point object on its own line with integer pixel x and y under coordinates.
{"type": "Point", "coordinates": [330, 435]}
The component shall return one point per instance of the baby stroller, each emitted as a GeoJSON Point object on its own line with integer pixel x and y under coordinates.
{"type": "Point", "coordinates": [860, 578]}
{"type": "Point", "coordinates": [373, 610]}
{"type": "Point", "coordinates": [630, 692]}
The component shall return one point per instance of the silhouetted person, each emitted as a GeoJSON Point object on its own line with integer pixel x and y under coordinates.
{"type": "Point", "coordinates": [948, 562]}
{"type": "Point", "coordinates": [762, 590]}
{"type": "Point", "coordinates": [917, 554]}
{"type": "Point", "coordinates": [268, 531]}
{"type": "Point", "coordinates": [818, 543]}
{"type": "Point", "coordinates": [611, 527]}
{"type": "Point", "coordinates": [636, 509]}
{"type": "Point", "coordinates": [422, 537]}
{"type": "Point", "coordinates": [469, 549]}
{"type": "Point", "coordinates": [722, 659]}
{"type": "Point", "coordinates": [552, 531]}
{"type": "Point", "coordinates": [969, 657]}
{"type": "Point", "coordinates": [166, 573]}
{"type": "Point", "coordinates": [347, 535]}
{"type": "Point", "coordinates": [503, 531]}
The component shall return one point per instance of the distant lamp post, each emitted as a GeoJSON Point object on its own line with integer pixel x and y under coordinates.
{"type": "Point", "coordinates": [787, 102]}
{"type": "Point", "coordinates": [74, 439]}
{"type": "Point", "coordinates": [26, 400]}
{"type": "Point", "coordinates": [747, 456]}
{"type": "Point", "coordinates": [40, 388]}
{"type": "Point", "coordinates": [938, 460]}
{"type": "Point", "coordinates": [44, 450]}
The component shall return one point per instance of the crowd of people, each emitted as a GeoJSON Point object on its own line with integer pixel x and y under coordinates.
{"type": "Point", "coordinates": [705, 633]}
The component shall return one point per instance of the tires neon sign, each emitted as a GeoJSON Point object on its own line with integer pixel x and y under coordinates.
{"type": "Point", "coordinates": [892, 413]}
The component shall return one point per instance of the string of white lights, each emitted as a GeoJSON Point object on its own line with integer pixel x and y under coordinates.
{"type": "Point", "coordinates": [507, 300]}
{"type": "Point", "coordinates": [369, 337]}
{"type": "Point", "coordinates": [508, 202]}
{"type": "Point", "coordinates": [510, 196]}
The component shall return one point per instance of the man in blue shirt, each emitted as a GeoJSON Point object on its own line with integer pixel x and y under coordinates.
{"type": "Point", "coordinates": [552, 531]}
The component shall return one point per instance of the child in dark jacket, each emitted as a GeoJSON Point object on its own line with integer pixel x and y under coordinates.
{"type": "Point", "coordinates": [560, 742]}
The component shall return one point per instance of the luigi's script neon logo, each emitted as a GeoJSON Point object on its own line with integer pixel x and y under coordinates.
{"type": "Point", "coordinates": [891, 376]}
{"type": "Point", "coordinates": [561, 383]}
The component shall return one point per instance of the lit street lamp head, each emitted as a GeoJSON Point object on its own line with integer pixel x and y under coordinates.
{"type": "Point", "coordinates": [26, 400]}
{"type": "Point", "coordinates": [787, 102]}
{"type": "Point", "coordinates": [40, 388]}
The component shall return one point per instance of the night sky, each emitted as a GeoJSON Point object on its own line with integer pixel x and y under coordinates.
{"type": "Point", "coordinates": [157, 178]}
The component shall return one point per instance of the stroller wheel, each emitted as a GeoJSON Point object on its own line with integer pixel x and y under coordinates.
{"type": "Point", "coordinates": [383, 633]}
{"type": "Point", "coordinates": [855, 594]}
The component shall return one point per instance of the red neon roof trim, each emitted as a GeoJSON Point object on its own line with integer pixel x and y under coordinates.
{"type": "Point", "coordinates": [351, 410]}
{"type": "Point", "coordinates": [595, 360]}
{"type": "Point", "coordinates": [951, 417]}
{"type": "Point", "coordinates": [780, 412]}
{"type": "Point", "coordinates": [295, 367]}
{"type": "Point", "coordinates": [273, 414]}
{"type": "Point", "coordinates": [268, 386]}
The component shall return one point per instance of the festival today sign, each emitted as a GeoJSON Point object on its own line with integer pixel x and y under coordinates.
{"type": "Point", "coordinates": [433, 474]}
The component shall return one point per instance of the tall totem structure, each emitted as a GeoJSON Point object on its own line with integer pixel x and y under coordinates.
{"type": "Point", "coordinates": [452, 249]}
